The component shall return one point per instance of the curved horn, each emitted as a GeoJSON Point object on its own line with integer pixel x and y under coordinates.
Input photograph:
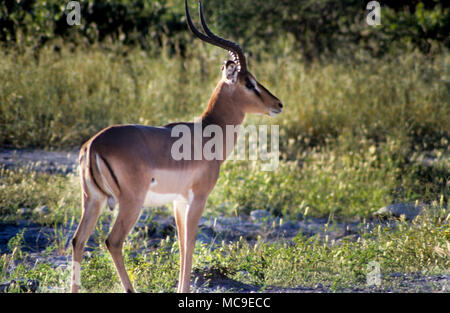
{"type": "Point", "coordinates": [233, 48]}
{"type": "Point", "coordinates": [195, 30]}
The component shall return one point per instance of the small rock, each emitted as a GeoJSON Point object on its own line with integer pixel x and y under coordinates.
{"type": "Point", "coordinates": [205, 234]}
{"type": "Point", "coordinates": [24, 211]}
{"type": "Point", "coordinates": [162, 226]}
{"type": "Point", "coordinates": [24, 285]}
{"type": "Point", "coordinates": [289, 225]}
{"type": "Point", "coordinates": [42, 210]}
{"type": "Point", "coordinates": [259, 215]}
{"type": "Point", "coordinates": [139, 225]}
{"type": "Point", "coordinates": [410, 210]}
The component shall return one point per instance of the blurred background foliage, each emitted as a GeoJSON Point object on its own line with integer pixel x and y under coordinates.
{"type": "Point", "coordinates": [317, 29]}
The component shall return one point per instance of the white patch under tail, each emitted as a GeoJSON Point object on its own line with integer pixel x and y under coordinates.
{"type": "Point", "coordinates": [111, 197]}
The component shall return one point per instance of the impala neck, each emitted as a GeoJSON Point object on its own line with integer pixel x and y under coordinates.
{"type": "Point", "coordinates": [224, 110]}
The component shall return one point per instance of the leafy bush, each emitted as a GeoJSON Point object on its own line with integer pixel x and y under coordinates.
{"type": "Point", "coordinates": [316, 28]}
{"type": "Point", "coordinates": [133, 22]}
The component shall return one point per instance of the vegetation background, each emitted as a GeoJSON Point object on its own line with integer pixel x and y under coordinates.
{"type": "Point", "coordinates": [366, 124]}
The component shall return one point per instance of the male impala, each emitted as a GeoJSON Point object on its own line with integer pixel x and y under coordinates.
{"type": "Point", "coordinates": [132, 165]}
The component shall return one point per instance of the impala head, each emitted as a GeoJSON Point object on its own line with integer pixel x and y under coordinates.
{"type": "Point", "coordinates": [244, 88]}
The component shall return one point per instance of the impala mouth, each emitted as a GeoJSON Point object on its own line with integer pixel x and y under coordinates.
{"type": "Point", "coordinates": [274, 112]}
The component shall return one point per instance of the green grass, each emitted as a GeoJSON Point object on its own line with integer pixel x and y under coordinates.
{"type": "Point", "coordinates": [60, 99]}
{"type": "Point", "coordinates": [344, 184]}
{"type": "Point", "coordinates": [418, 247]}
{"type": "Point", "coordinates": [328, 184]}
{"type": "Point", "coordinates": [22, 188]}
{"type": "Point", "coordinates": [338, 265]}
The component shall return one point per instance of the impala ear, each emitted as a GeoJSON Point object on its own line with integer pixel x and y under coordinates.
{"type": "Point", "coordinates": [230, 72]}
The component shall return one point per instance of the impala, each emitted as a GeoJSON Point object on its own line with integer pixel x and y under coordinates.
{"type": "Point", "coordinates": [132, 165]}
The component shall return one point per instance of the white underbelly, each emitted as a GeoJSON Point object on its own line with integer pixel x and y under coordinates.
{"type": "Point", "coordinates": [153, 199]}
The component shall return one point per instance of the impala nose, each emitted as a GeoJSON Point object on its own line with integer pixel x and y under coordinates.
{"type": "Point", "coordinates": [280, 105]}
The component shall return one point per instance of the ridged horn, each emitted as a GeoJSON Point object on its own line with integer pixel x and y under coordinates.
{"type": "Point", "coordinates": [233, 48]}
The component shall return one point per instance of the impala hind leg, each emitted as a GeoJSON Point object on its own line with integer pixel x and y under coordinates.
{"type": "Point", "coordinates": [127, 217]}
{"type": "Point", "coordinates": [91, 210]}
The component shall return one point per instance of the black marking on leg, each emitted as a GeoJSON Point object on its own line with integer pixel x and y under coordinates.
{"type": "Point", "coordinates": [112, 172]}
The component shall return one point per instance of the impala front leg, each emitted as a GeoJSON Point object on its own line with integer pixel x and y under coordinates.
{"type": "Point", "coordinates": [180, 209]}
{"type": "Point", "coordinates": [189, 227]}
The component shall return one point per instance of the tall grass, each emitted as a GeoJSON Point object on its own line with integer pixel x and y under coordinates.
{"type": "Point", "coordinates": [59, 99]}
{"type": "Point", "coordinates": [328, 182]}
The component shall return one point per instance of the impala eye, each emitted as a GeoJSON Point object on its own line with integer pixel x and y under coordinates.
{"type": "Point", "coordinates": [249, 84]}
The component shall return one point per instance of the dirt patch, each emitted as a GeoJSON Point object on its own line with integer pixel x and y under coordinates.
{"type": "Point", "coordinates": [63, 162]}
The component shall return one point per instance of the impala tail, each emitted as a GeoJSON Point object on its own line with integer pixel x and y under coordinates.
{"type": "Point", "coordinates": [97, 175]}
